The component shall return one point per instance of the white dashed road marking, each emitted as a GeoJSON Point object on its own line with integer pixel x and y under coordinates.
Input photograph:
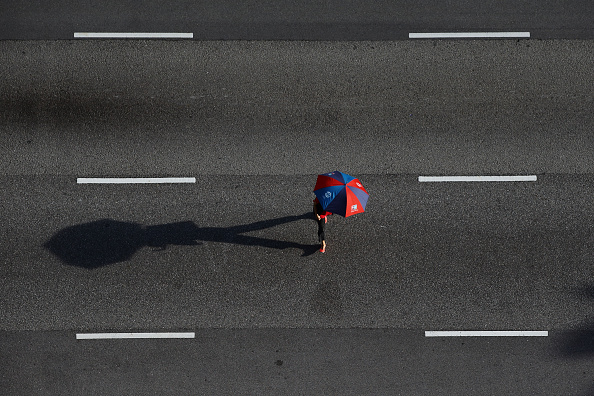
{"type": "Point", "coordinates": [104, 336]}
{"type": "Point", "coordinates": [434, 179]}
{"type": "Point", "coordinates": [134, 35]}
{"type": "Point", "coordinates": [132, 180]}
{"type": "Point", "coordinates": [486, 334]}
{"type": "Point", "coordinates": [471, 35]}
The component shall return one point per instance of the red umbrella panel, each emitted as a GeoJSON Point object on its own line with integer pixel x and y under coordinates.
{"type": "Point", "coordinates": [341, 193]}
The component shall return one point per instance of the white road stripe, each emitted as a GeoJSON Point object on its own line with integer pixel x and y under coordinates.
{"type": "Point", "coordinates": [133, 180]}
{"type": "Point", "coordinates": [133, 35]}
{"type": "Point", "coordinates": [104, 336]}
{"type": "Point", "coordinates": [429, 179]}
{"type": "Point", "coordinates": [486, 334]}
{"type": "Point", "coordinates": [471, 35]}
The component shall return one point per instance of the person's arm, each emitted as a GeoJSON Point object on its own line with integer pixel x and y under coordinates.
{"type": "Point", "coordinates": [315, 210]}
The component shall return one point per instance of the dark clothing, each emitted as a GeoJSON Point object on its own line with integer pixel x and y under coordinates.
{"type": "Point", "coordinates": [321, 226]}
{"type": "Point", "coordinates": [319, 210]}
{"type": "Point", "coordinates": [322, 222]}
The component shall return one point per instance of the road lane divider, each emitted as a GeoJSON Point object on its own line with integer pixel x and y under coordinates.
{"type": "Point", "coordinates": [106, 336]}
{"type": "Point", "coordinates": [486, 333]}
{"type": "Point", "coordinates": [437, 179]}
{"type": "Point", "coordinates": [132, 35]}
{"type": "Point", "coordinates": [134, 180]}
{"type": "Point", "coordinates": [470, 35]}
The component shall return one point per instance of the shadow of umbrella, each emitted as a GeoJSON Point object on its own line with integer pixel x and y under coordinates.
{"type": "Point", "coordinates": [98, 243]}
{"type": "Point", "coordinates": [102, 242]}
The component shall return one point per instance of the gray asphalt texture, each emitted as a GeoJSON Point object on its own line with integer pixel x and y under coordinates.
{"type": "Point", "coordinates": [277, 108]}
{"type": "Point", "coordinates": [294, 362]}
{"type": "Point", "coordinates": [234, 256]}
{"type": "Point", "coordinates": [296, 19]}
{"type": "Point", "coordinates": [240, 252]}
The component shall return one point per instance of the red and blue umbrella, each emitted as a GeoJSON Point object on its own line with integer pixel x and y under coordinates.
{"type": "Point", "coordinates": [341, 193]}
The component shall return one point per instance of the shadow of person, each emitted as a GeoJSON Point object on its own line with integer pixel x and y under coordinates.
{"type": "Point", "coordinates": [102, 242]}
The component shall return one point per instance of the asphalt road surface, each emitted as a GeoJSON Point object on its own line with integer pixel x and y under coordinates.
{"type": "Point", "coordinates": [233, 257]}
{"type": "Point", "coordinates": [296, 19]}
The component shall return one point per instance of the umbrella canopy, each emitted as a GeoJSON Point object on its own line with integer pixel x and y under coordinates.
{"type": "Point", "coordinates": [341, 193]}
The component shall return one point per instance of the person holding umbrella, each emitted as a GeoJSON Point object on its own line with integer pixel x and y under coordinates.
{"type": "Point", "coordinates": [322, 218]}
{"type": "Point", "coordinates": [339, 193]}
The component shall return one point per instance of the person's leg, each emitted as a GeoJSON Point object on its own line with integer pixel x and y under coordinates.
{"type": "Point", "coordinates": [321, 235]}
